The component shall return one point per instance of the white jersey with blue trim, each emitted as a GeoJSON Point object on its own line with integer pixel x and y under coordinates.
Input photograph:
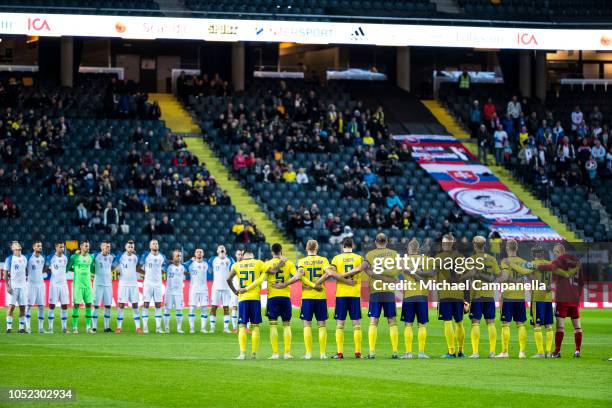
{"type": "Point", "coordinates": [153, 265]}
{"type": "Point", "coordinates": [176, 277]}
{"type": "Point", "coordinates": [57, 267]}
{"type": "Point", "coordinates": [16, 266]}
{"type": "Point", "coordinates": [221, 269]}
{"type": "Point", "coordinates": [36, 266]}
{"type": "Point", "coordinates": [127, 263]}
{"type": "Point", "coordinates": [198, 272]}
{"type": "Point", "coordinates": [103, 269]}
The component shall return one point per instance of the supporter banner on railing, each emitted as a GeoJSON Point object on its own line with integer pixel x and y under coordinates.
{"type": "Point", "coordinates": [474, 187]}
{"type": "Point", "coordinates": [312, 32]}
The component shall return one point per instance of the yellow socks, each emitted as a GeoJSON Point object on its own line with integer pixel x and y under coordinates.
{"type": "Point", "coordinates": [460, 335]}
{"type": "Point", "coordinates": [372, 332]}
{"type": "Point", "coordinates": [394, 334]}
{"type": "Point", "coordinates": [408, 338]}
{"type": "Point", "coordinates": [492, 337]}
{"type": "Point", "coordinates": [522, 336]}
{"type": "Point", "coordinates": [539, 341]}
{"type": "Point", "coordinates": [242, 339]}
{"type": "Point", "coordinates": [475, 337]}
{"type": "Point", "coordinates": [449, 334]}
{"type": "Point", "coordinates": [274, 337]}
{"type": "Point", "coordinates": [255, 336]}
{"type": "Point", "coordinates": [505, 341]}
{"type": "Point", "coordinates": [287, 339]}
{"type": "Point", "coordinates": [308, 339]}
{"type": "Point", "coordinates": [422, 335]}
{"type": "Point", "coordinates": [340, 339]}
{"type": "Point", "coordinates": [357, 335]}
{"type": "Point", "coordinates": [550, 335]}
{"type": "Point", "coordinates": [322, 339]}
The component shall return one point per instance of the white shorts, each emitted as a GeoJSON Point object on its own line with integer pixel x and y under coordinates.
{"type": "Point", "coordinates": [153, 293]}
{"type": "Point", "coordinates": [59, 293]}
{"type": "Point", "coordinates": [36, 294]}
{"type": "Point", "coordinates": [19, 297]}
{"type": "Point", "coordinates": [174, 301]}
{"type": "Point", "coordinates": [221, 297]}
{"type": "Point", "coordinates": [104, 295]}
{"type": "Point", "coordinates": [233, 301]}
{"type": "Point", "coordinates": [198, 299]}
{"type": "Point", "coordinates": [128, 294]}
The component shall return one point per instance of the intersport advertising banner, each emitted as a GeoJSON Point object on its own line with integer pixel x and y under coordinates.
{"type": "Point", "coordinates": [475, 188]}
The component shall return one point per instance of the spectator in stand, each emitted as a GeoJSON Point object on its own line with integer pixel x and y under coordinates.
{"type": "Point", "coordinates": [489, 110]}
{"type": "Point", "coordinates": [577, 118]}
{"type": "Point", "coordinates": [289, 175]}
{"type": "Point", "coordinates": [393, 200]}
{"type": "Point", "coordinates": [111, 218]}
{"type": "Point", "coordinates": [599, 154]}
{"type": "Point", "coordinates": [82, 214]}
{"type": "Point", "coordinates": [96, 221]}
{"type": "Point", "coordinates": [591, 168]}
{"type": "Point", "coordinates": [151, 229]}
{"type": "Point", "coordinates": [557, 133]}
{"type": "Point", "coordinates": [302, 177]}
{"type": "Point", "coordinates": [464, 82]}
{"type": "Point", "coordinates": [483, 143]}
{"type": "Point", "coordinates": [475, 117]}
{"type": "Point", "coordinates": [335, 229]}
{"type": "Point", "coordinates": [165, 227]}
{"type": "Point", "coordinates": [239, 161]}
{"type": "Point", "coordinates": [596, 116]}
{"type": "Point", "coordinates": [238, 228]}
{"type": "Point", "coordinates": [514, 108]}
{"type": "Point", "coordinates": [499, 138]}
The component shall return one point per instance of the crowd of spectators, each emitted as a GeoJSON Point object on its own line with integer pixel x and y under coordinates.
{"type": "Point", "coordinates": [542, 151]}
{"type": "Point", "coordinates": [201, 85]}
{"type": "Point", "coordinates": [123, 99]}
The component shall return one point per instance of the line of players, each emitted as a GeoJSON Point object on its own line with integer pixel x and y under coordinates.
{"type": "Point", "coordinates": [25, 274]}
{"type": "Point", "coordinates": [246, 276]}
{"type": "Point", "coordinates": [347, 268]}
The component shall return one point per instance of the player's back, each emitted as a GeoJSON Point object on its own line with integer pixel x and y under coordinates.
{"type": "Point", "coordinates": [513, 266]}
{"type": "Point", "coordinates": [417, 265]}
{"type": "Point", "coordinates": [314, 267]}
{"type": "Point", "coordinates": [36, 265]}
{"type": "Point", "coordinates": [103, 266]}
{"type": "Point", "coordinates": [221, 269]}
{"type": "Point", "coordinates": [378, 256]}
{"type": "Point", "coordinates": [248, 271]}
{"type": "Point", "coordinates": [345, 262]}
{"type": "Point", "coordinates": [284, 273]}
{"type": "Point", "coordinates": [487, 265]}
{"type": "Point", "coordinates": [542, 277]}
{"type": "Point", "coordinates": [446, 273]}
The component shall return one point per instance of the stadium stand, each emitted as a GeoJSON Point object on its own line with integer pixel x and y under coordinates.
{"type": "Point", "coordinates": [319, 161]}
{"type": "Point", "coordinates": [137, 7]}
{"type": "Point", "coordinates": [560, 148]}
{"type": "Point", "coordinates": [63, 173]}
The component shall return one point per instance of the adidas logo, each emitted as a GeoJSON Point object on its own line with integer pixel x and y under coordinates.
{"type": "Point", "coordinates": [358, 34]}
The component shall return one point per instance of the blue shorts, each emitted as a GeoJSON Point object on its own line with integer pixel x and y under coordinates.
{"type": "Point", "coordinates": [279, 306]}
{"type": "Point", "coordinates": [541, 313]}
{"type": "Point", "coordinates": [249, 311]}
{"type": "Point", "coordinates": [480, 308]}
{"type": "Point", "coordinates": [450, 310]}
{"type": "Point", "coordinates": [415, 307]}
{"type": "Point", "coordinates": [513, 311]}
{"type": "Point", "coordinates": [348, 305]}
{"type": "Point", "coordinates": [316, 307]}
{"type": "Point", "coordinates": [382, 302]}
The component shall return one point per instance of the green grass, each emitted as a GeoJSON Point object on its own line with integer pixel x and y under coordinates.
{"type": "Point", "coordinates": [198, 370]}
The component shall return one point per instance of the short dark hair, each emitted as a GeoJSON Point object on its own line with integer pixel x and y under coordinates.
{"type": "Point", "coordinates": [347, 242]}
{"type": "Point", "coordinates": [277, 248]}
{"type": "Point", "coordinates": [37, 241]}
{"type": "Point", "coordinates": [130, 241]}
{"type": "Point", "coordinates": [83, 241]}
{"type": "Point", "coordinates": [58, 243]}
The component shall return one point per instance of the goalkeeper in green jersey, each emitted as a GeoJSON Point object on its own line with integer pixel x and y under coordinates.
{"type": "Point", "coordinates": [82, 264]}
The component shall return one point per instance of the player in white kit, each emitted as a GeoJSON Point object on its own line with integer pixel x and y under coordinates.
{"type": "Point", "coordinates": [153, 264]}
{"type": "Point", "coordinates": [198, 289]}
{"type": "Point", "coordinates": [221, 293]}
{"type": "Point", "coordinates": [174, 291]}
{"type": "Point", "coordinates": [15, 269]}
{"type": "Point", "coordinates": [36, 287]}
{"type": "Point", "coordinates": [58, 288]}
{"type": "Point", "coordinates": [103, 285]}
{"type": "Point", "coordinates": [126, 265]}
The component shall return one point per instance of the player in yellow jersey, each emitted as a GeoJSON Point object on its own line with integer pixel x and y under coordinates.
{"type": "Point", "coordinates": [483, 301]}
{"type": "Point", "coordinates": [513, 301]}
{"type": "Point", "coordinates": [451, 302]}
{"type": "Point", "coordinates": [251, 273]}
{"type": "Point", "coordinates": [381, 298]}
{"type": "Point", "coordinates": [348, 296]}
{"type": "Point", "coordinates": [281, 274]}
{"type": "Point", "coordinates": [415, 303]}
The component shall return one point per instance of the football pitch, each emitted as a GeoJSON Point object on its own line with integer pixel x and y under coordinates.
{"type": "Point", "coordinates": [199, 370]}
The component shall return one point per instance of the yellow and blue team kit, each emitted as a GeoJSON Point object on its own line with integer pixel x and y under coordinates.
{"type": "Point", "coordinates": [348, 298]}
{"type": "Point", "coordinates": [279, 300]}
{"type": "Point", "coordinates": [314, 302]}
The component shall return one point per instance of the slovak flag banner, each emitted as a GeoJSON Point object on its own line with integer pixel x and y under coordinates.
{"type": "Point", "coordinates": [477, 191]}
{"type": "Point", "coordinates": [436, 149]}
